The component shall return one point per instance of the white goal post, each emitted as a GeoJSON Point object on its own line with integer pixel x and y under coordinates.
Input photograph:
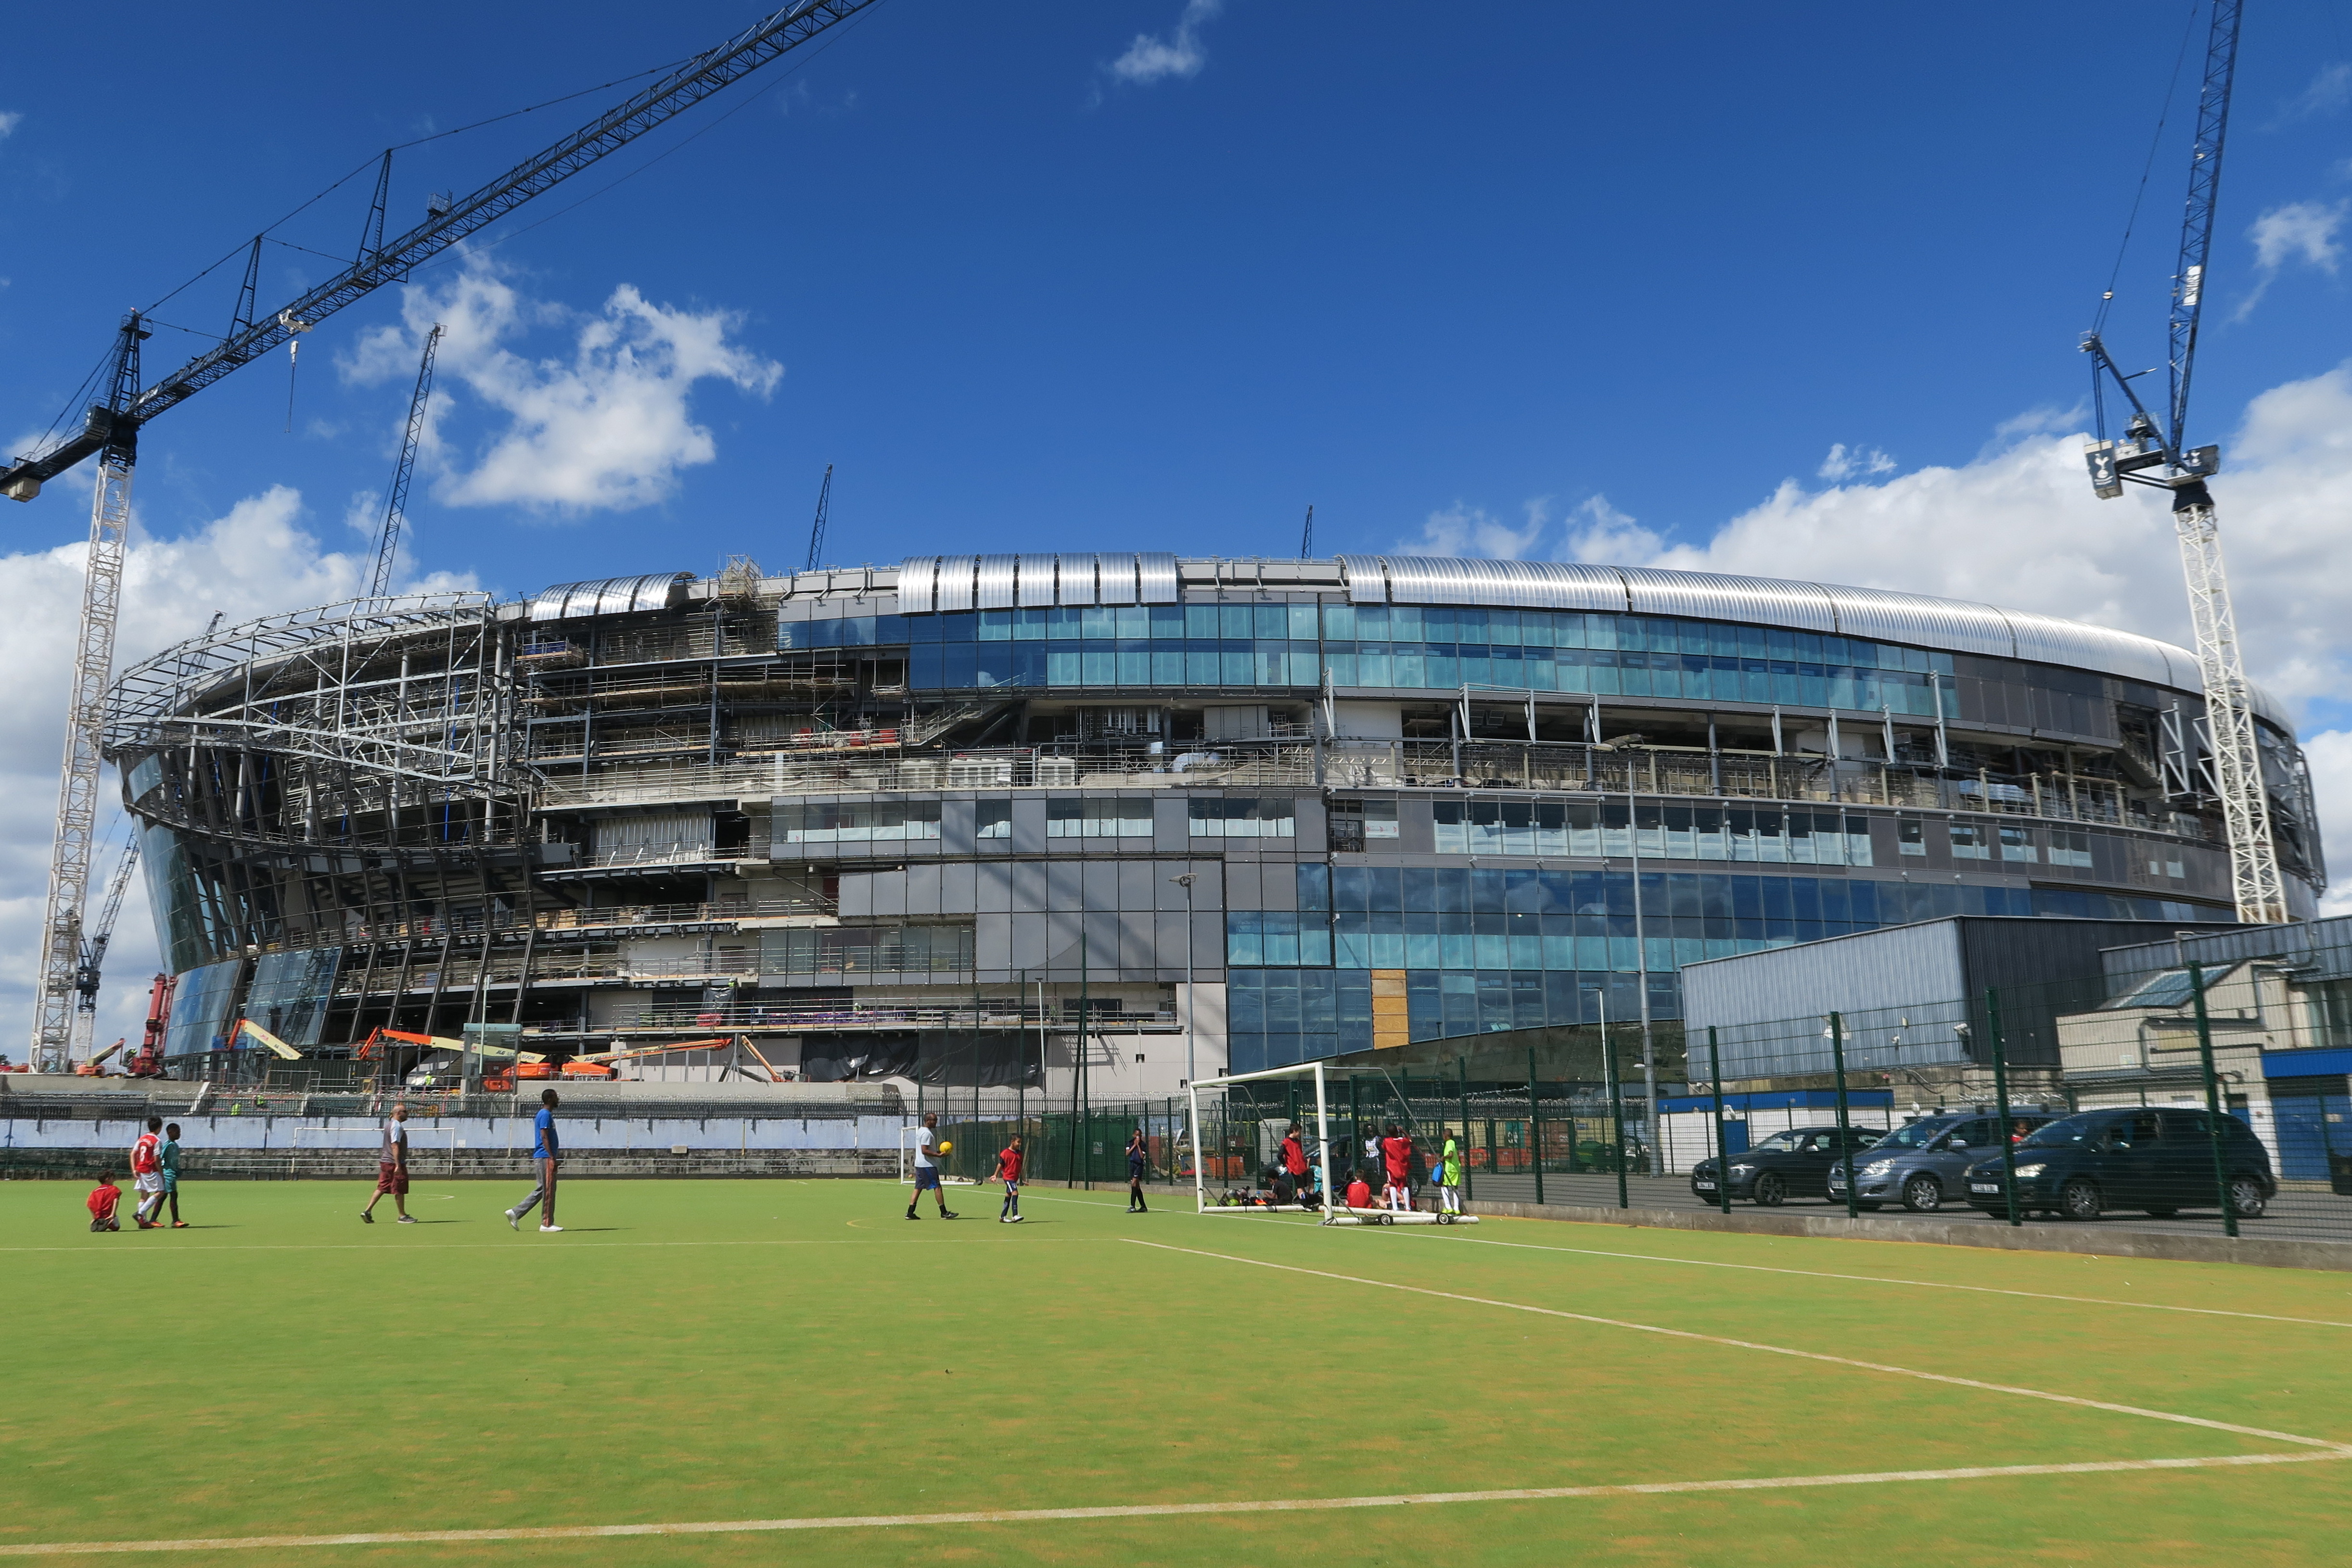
{"type": "Point", "coordinates": [906, 1157]}
{"type": "Point", "coordinates": [1333, 1209]}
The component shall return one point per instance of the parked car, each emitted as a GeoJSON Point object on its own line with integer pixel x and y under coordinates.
{"type": "Point", "coordinates": [1794, 1164]}
{"type": "Point", "coordinates": [2159, 1159]}
{"type": "Point", "coordinates": [1923, 1164]}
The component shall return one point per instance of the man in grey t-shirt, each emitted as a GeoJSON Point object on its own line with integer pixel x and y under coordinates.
{"type": "Point", "coordinates": [391, 1169]}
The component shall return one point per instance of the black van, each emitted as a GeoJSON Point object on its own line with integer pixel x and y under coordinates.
{"type": "Point", "coordinates": [2157, 1158]}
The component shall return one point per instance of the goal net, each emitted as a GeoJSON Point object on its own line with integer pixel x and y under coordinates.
{"type": "Point", "coordinates": [906, 1157]}
{"type": "Point", "coordinates": [1251, 1129]}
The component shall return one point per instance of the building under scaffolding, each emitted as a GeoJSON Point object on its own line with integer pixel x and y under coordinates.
{"type": "Point", "coordinates": [950, 818]}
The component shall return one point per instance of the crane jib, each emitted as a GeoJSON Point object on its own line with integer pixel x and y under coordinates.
{"type": "Point", "coordinates": [706, 74]}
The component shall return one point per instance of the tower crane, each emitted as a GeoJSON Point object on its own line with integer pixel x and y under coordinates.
{"type": "Point", "coordinates": [396, 505]}
{"type": "Point", "coordinates": [816, 528]}
{"type": "Point", "coordinates": [109, 432]}
{"type": "Point", "coordinates": [93, 949]}
{"type": "Point", "coordinates": [2156, 452]}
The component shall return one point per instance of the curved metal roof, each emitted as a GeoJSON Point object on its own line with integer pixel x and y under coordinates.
{"type": "Point", "coordinates": [609, 596]}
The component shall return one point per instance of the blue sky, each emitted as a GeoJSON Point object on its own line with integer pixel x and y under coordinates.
{"type": "Point", "coordinates": [1359, 258]}
{"type": "Point", "coordinates": [1790, 290]}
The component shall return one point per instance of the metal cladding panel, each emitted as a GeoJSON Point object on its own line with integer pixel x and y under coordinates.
{"type": "Point", "coordinates": [2267, 706]}
{"type": "Point", "coordinates": [1957, 624]}
{"type": "Point", "coordinates": [1366, 583]}
{"type": "Point", "coordinates": [609, 596]}
{"type": "Point", "coordinates": [919, 577]}
{"type": "Point", "coordinates": [1116, 579]}
{"type": "Point", "coordinates": [1572, 585]}
{"type": "Point", "coordinates": [1156, 577]}
{"type": "Point", "coordinates": [993, 590]}
{"type": "Point", "coordinates": [1707, 596]}
{"type": "Point", "coordinates": [1900, 965]}
{"type": "Point", "coordinates": [955, 583]}
{"type": "Point", "coordinates": [1075, 579]}
{"type": "Point", "coordinates": [2050, 640]}
{"type": "Point", "coordinates": [1034, 582]}
{"type": "Point", "coordinates": [1433, 579]}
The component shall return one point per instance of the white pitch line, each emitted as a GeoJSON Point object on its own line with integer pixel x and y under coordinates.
{"type": "Point", "coordinates": [1435, 1234]}
{"type": "Point", "coordinates": [1772, 1349]}
{"type": "Point", "coordinates": [1136, 1511]}
{"type": "Point", "coordinates": [1879, 1280]}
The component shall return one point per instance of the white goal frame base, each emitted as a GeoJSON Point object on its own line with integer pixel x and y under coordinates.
{"type": "Point", "coordinates": [1322, 1136]}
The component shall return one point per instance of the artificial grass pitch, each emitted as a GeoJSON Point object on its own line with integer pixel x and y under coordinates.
{"type": "Point", "coordinates": [762, 1350]}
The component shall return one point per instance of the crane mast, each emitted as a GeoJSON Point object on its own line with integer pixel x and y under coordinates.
{"type": "Point", "coordinates": [2256, 882]}
{"type": "Point", "coordinates": [93, 958]}
{"type": "Point", "coordinates": [396, 505]}
{"type": "Point", "coordinates": [816, 528]}
{"type": "Point", "coordinates": [116, 435]}
{"type": "Point", "coordinates": [110, 433]}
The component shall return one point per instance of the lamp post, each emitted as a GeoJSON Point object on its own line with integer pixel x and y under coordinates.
{"type": "Point", "coordinates": [1190, 1077]}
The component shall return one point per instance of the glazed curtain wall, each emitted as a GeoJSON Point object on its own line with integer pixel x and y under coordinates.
{"type": "Point", "coordinates": [1485, 950]}
{"type": "Point", "coordinates": [1396, 647]}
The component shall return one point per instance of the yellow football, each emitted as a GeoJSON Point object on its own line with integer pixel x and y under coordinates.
{"type": "Point", "coordinates": [945, 1147]}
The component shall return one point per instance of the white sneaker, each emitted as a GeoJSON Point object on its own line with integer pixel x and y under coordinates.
{"type": "Point", "coordinates": [1014, 1220]}
{"type": "Point", "coordinates": [513, 1220]}
{"type": "Point", "coordinates": [549, 1230]}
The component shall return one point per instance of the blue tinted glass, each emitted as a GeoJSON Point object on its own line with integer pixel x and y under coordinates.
{"type": "Point", "coordinates": [1314, 885]}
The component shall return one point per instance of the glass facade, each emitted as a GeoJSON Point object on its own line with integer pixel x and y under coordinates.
{"type": "Point", "coordinates": [1396, 647]}
{"type": "Point", "coordinates": [1591, 829]}
{"type": "Point", "coordinates": [200, 1010]}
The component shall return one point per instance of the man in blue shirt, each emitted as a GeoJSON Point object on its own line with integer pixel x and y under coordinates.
{"type": "Point", "coordinates": [544, 1152]}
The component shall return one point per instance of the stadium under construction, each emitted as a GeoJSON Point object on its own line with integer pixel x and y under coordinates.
{"type": "Point", "coordinates": [1201, 814]}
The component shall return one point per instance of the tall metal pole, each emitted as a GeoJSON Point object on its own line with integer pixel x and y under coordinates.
{"type": "Point", "coordinates": [1845, 1142]}
{"type": "Point", "coordinates": [1190, 1007]}
{"type": "Point", "coordinates": [1642, 972]}
{"type": "Point", "coordinates": [1616, 1107]}
{"type": "Point", "coordinates": [1461, 1065]}
{"type": "Point", "coordinates": [101, 608]}
{"type": "Point", "coordinates": [1722, 1146]}
{"type": "Point", "coordinates": [2000, 1093]}
{"type": "Point", "coordinates": [2213, 1110]}
{"type": "Point", "coordinates": [1535, 1127]}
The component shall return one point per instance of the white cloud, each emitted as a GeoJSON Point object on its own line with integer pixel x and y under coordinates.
{"type": "Point", "coordinates": [2329, 754]}
{"type": "Point", "coordinates": [256, 559]}
{"type": "Point", "coordinates": [9, 120]}
{"type": "Point", "coordinates": [1858, 462]}
{"type": "Point", "coordinates": [607, 429]}
{"type": "Point", "coordinates": [1600, 533]}
{"type": "Point", "coordinates": [2299, 231]}
{"type": "Point", "coordinates": [1151, 58]}
{"type": "Point", "coordinates": [1468, 530]}
{"type": "Point", "coordinates": [2330, 89]}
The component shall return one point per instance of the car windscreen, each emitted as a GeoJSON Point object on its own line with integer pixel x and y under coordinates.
{"type": "Point", "coordinates": [1917, 1135]}
{"type": "Point", "coordinates": [2064, 1133]}
{"type": "Point", "coordinates": [1781, 1143]}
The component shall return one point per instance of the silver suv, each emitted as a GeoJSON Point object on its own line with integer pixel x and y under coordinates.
{"type": "Point", "coordinates": [1920, 1164]}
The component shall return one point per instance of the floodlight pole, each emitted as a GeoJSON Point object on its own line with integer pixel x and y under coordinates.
{"type": "Point", "coordinates": [1199, 1188]}
{"type": "Point", "coordinates": [1722, 1144]}
{"type": "Point", "coordinates": [1845, 1139]}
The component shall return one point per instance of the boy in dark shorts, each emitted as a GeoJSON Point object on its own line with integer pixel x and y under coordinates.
{"type": "Point", "coordinates": [1008, 1171]}
{"type": "Point", "coordinates": [168, 1162]}
{"type": "Point", "coordinates": [391, 1169]}
{"type": "Point", "coordinates": [103, 1199]}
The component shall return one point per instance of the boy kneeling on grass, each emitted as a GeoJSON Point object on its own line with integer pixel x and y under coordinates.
{"type": "Point", "coordinates": [103, 1199]}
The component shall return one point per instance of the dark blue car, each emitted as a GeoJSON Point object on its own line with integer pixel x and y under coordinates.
{"type": "Point", "coordinates": [2155, 1159]}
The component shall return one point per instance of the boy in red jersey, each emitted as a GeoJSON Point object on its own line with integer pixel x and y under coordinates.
{"type": "Point", "coordinates": [1359, 1192]}
{"type": "Point", "coordinates": [147, 1173]}
{"type": "Point", "coordinates": [1396, 1154]}
{"type": "Point", "coordinates": [103, 1199]}
{"type": "Point", "coordinates": [1008, 1171]}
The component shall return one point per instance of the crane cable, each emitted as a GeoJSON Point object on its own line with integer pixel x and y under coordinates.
{"type": "Point", "coordinates": [2171, 98]}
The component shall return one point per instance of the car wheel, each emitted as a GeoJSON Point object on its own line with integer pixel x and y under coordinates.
{"type": "Point", "coordinates": [2080, 1199]}
{"type": "Point", "coordinates": [2246, 1198]}
{"type": "Point", "coordinates": [1923, 1195]}
{"type": "Point", "coordinates": [1771, 1189]}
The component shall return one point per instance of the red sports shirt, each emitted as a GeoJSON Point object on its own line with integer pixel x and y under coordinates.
{"type": "Point", "coordinates": [144, 1158]}
{"type": "Point", "coordinates": [1008, 1165]}
{"type": "Point", "coordinates": [1398, 1153]}
{"type": "Point", "coordinates": [102, 1202]}
{"type": "Point", "coordinates": [1359, 1196]}
{"type": "Point", "coordinates": [1294, 1156]}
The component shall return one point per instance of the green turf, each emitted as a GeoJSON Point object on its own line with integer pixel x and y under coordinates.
{"type": "Point", "coordinates": [760, 1350]}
